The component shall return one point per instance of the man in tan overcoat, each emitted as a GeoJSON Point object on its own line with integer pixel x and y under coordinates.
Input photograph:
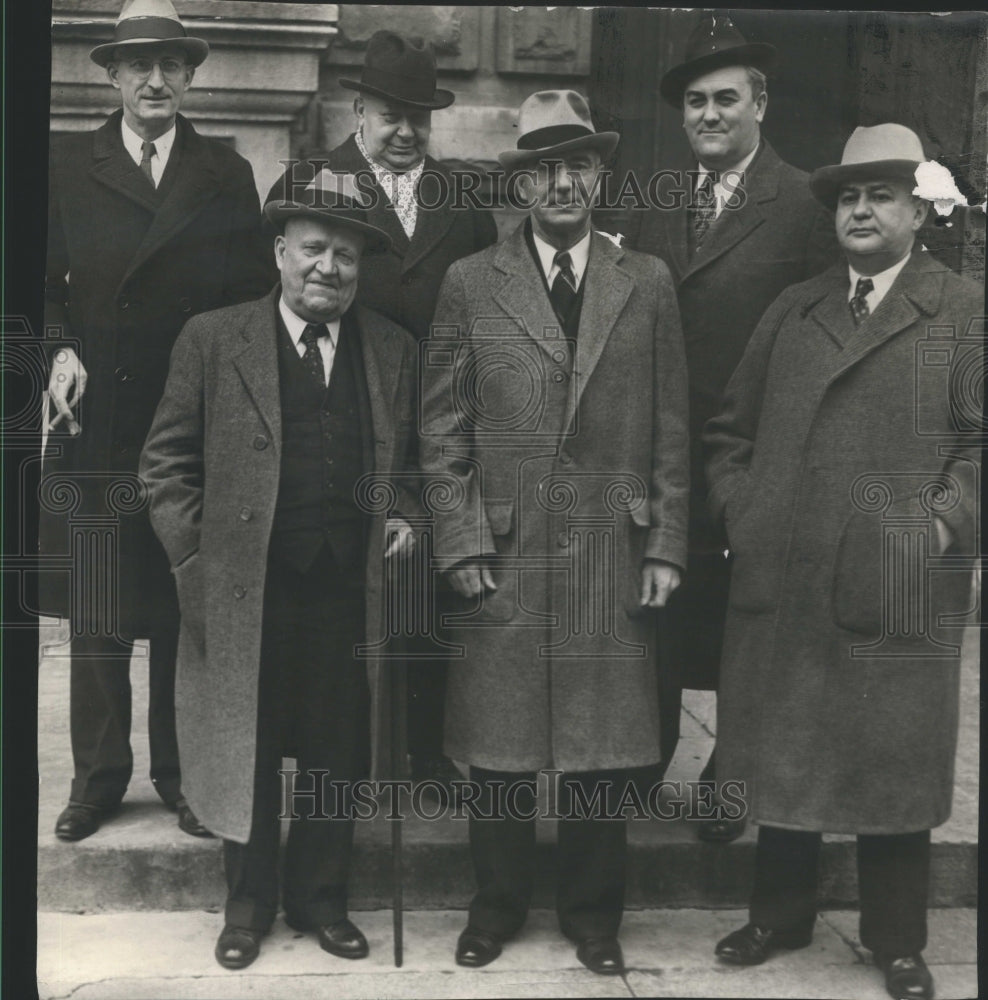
{"type": "Point", "coordinates": [844, 466]}
{"type": "Point", "coordinates": [554, 392]}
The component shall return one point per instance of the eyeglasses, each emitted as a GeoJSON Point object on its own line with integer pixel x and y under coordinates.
{"type": "Point", "coordinates": [145, 67]}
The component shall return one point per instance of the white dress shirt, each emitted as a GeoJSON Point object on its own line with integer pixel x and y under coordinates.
{"type": "Point", "coordinates": [579, 254]}
{"type": "Point", "coordinates": [162, 149]}
{"type": "Point", "coordinates": [722, 193]}
{"type": "Point", "coordinates": [882, 282]}
{"type": "Point", "coordinates": [295, 326]}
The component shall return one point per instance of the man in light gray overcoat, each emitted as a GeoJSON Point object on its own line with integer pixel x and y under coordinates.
{"type": "Point", "coordinates": [554, 392]}
{"type": "Point", "coordinates": [844, 466]}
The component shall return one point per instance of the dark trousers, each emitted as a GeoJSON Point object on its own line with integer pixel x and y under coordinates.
{"type": "Point", "coordinates": [893, 884]}
{"type": "Point", "coordinates": [690, 637]}
{"type": "Point", "coordinates": [313, 704]}
{"type": "Point", "coordinates": [590, 858]}
{"type": "Point", "coordinates": [100, 718]}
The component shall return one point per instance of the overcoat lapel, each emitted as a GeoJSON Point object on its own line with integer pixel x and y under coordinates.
{"type": "Point", "coordinates": [734, 225]}
{"type": "Point", "coordinates": [257, 363]}
{"type": "Point", "coordinates": [196, 182]}
{"type": "Point", "coordinates": [431, 224]}
{"type": "Point", "coordinates": [606, 289]}
{"type": "Point", "coordinates": [523, 295]}
{"type": "Point", "coordinates": [113, 167]}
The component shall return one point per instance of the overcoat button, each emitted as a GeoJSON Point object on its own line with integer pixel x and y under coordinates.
{"type": "Point", "coordinates": [558, 377]}
{"type": "Point", "coordinates": [185, 304]}
{"type": "Point", "coordinates": [260, 442]}
{"type": "Point", "coordinates": [565, 458]}
{"type": "Point", "coordinates": [239, 592]}
{"type": "Point", "coordinates": [559, 357]}
{"type": "Point", "coordinates": [563, 539]}
{"type": "Point", "coordinates": [124, 304]}
{"type": "Point", "coordinates": [246, 513]}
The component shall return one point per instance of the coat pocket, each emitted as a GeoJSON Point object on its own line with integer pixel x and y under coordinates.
{"type": "Point", "coordinates": [191, 593]}
{"type": "Point", "coordinates": [857, 593]}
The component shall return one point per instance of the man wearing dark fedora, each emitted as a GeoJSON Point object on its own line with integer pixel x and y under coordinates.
{"type": "Point", "coordinates": [149, 223]}
{"type": "Point", "coordinates": [744, 227]}
{"type": "Point", "coordinates": [396, 96]}
{"type": "Point", "coordinates": [844, 469]}
{"type": "Point", "coordinates": [274, 413]}
{"type": "Point", "coordinates": [554, 393]}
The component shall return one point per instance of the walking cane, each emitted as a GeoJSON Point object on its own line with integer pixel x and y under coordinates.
{"type": "Point", "coordinates": [397, 668]}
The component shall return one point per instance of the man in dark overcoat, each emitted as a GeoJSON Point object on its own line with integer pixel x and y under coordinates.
{"type": "Point", "coordinates": [415, 203]}
{"type": "Point", "coordinates": [149, 223]}
{"type": "Point", "coordinates": [742, 227]}
{"type": "Point", "coordinates": [843, 468]}
{"type": "Point", "coordinates": [275, 414]}
{"type": "Point", "coordinates": [554, 394]}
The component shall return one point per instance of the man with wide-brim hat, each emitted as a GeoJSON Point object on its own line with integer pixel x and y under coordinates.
{"type": "Point", "coordinates": [555, 394]}
{"type": "Point", "coordinates": [829, 466]}
{"type": "Point", "coordinates": [155, 223]}
{"type": "Point", "coordinates": [274, 414]}
{"type": "Point", "coordinates": [415, 202]}
{"type": "Point", "coordinates": [742, 227]}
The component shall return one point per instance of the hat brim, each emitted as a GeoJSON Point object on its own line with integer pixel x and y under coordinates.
{"type": "Point", "coordinates": [195, 49]}
{"type": "Point", "coordinates": [826, 181]}
{"type": "Point", "coordinates": [604, 142]}
{"type": "Point", "coordinates": [279, 213]}
{"type": "Point", "coordinates": [440, 99]}
{"type": "Point", "coordinates": [673, 85]}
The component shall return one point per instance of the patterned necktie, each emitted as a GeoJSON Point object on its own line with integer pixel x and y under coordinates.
{"type": "Point", "coordinates": [147, 151]}
{"type": "Point", "coordinates": [312, 359]}
{"type": "Point", "coordinates": [704, 207]}
{"type": "Point", "coordinates": [858, 303]}
{"type": "Point", "coordinates": [563, 292]}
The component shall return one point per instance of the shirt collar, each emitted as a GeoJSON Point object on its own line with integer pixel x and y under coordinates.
{"type": "Point", "coordinates": [295, 325]}
{"type": "Point", "coordinates": [882, 281]}
{"type": "Point", "coordinates": [380, 170]}
{"type": "Point", "coordinates": [579, 254]}
{"type": "Point", "coordinates": [133, 142]}
{"type": "Point", "coordinates": [738, 168]}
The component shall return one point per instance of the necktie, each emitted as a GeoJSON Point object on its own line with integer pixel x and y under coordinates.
{"type": "Point", "coordinates": [312, 359]}
{"type": "Point", "coordinates": [704, 207]}
{"type": "Point", "coordinates": [563, 292]}
{"type": "Point", "coordinates": [858, 303]}
{"type": "Point", "coordinates": [147, 151]}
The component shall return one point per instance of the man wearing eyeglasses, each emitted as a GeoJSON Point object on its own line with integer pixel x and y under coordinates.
{"type": "Point", "coordinates": [149, 223]}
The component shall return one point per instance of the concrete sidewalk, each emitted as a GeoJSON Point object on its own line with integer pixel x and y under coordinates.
{"type": "Point", "coordinates": [168, 956]}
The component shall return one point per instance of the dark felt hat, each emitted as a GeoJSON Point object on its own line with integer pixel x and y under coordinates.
{"type": "Point", "coordinates": [400, 69]}
{"type": "Point", "coordinates": [713, 44]}
{"type": "Point", "coordinates": [335, 198]}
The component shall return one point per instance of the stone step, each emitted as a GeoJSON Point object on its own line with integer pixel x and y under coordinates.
{"type": "Point", "coordinates": [140, 860]}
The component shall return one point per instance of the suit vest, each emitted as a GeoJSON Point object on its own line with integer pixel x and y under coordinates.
{"type": "Point", "coordinates": [324, 444]}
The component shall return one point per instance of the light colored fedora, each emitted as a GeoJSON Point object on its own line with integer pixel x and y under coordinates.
{"type": "Point", "coordinates": [553, 122]}
{"type": "Point", "coordinates": [150, 22]}
{"type": "Point", "coordinates": [335, 198]}
{"type": "Point", "coordinates": [881, 152]}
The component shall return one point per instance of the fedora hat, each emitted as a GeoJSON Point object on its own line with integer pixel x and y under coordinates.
{"type": "Point", "coordinates": [334, 198]}
{"type": "Point", "coordinates": [400, 69]}
{"type": "Point", "coordinates": [713, 44]}
{"type": "Point", "coordinates": [553, 122]}
{"type": "Point", "coordinates": [882, 152]}
{"type": "Point", "coordinates": [150, 22]}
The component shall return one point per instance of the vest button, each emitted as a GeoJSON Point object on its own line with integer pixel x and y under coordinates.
{"type": "Point", "coordinates": [565, 458]}
{"type": "Point", "coordinates": [260, 442]}
{"type": "Point", "coordinates": [558, 377]}
{"type": "Point", "coordinates": [563, 539]}
{"type": "Point", "coordinates": [123, 303]}
{"type": "Point", "coordinates": [239, 592]}
{"type": "Point", "coordinates": [185, 304]}
{"type": "Point", "coordinates": [246, 513]}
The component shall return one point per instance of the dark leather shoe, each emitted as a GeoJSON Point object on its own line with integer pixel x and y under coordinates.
{"type": "Point", "coordinates": [907, 977]}
{"type": "Point", "coordinates": [188, 822]}
{"type": "Point", "coordinates": [78, 820]}
{"type": "Point", "coordinates": [342, 939]}
{"type": "Point", "coordinates": [721, 831]}
{"type": "Point", "coordinates": [752, 944]}
{"type": "Point", "coordinates": [237, 947]}
{"type": "Point", "coordinates": [601, 955]}
{"type": "Point", "coordinates": [476, 948]}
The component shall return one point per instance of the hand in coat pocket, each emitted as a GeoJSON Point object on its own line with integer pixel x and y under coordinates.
{"type": "Point", "coordinates": [191, 595]}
